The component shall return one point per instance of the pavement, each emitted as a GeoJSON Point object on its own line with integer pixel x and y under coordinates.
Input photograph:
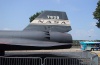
{"type": "Point", "coordinates": [56, 50]}
{"type": "Point", "coordinates": [97, 52]}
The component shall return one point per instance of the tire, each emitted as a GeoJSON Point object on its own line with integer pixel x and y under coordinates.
{"type": "Point", "coordinates": [2, 53]}
{"type": "Point", "coordinates": [92, 49]}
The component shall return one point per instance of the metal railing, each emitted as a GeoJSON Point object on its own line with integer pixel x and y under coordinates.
{"type": "Point", "coordinates": [99, 60]}
{"type": "Point", "coordinates": [46, 61]}
{"type": "Point", "coordinates": [20, 61]}
{"type": "Point", "coordinates": [66, 61]}
{"type": "Point", "coordinates": [56, 58]}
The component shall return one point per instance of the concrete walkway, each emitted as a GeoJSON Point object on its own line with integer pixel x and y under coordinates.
{"type": "Point", "coordinates": [58, 50]}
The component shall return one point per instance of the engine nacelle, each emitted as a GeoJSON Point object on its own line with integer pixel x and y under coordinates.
{"type": "Point", "coordinates": [60, 37]}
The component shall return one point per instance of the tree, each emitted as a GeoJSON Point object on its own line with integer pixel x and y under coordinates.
{"type": "Point", "coordinates": [34, 16]}
{"type": "Point", "coordinates": [96, 14]}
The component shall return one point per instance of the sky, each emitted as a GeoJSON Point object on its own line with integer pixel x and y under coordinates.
{"type": "Point", "coordinates": [14, 15]}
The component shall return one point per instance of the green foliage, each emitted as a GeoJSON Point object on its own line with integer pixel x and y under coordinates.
{"type": "Point", "coordinates": [96, 14]}
{"type": "Point", "coordinates": [34, 16]}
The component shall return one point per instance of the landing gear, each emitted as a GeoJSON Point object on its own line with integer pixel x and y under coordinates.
{"type": "Point", "coordinates": [2, 53]}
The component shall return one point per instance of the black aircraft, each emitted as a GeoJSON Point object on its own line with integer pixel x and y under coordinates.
{"type": "Point", "coordinates": [47, 31]}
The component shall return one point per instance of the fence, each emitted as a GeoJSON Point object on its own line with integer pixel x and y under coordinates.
{"type": "Point", "coordinates": [52, 58]}
{"type": "Point", "coordinates": [99, 60]}
{"type": "Point", "coordinates": [67, 61]}
{"type": "Point", "coordinates": [20, 61]}
{"type": "Point", "coordinates": [46, 61]}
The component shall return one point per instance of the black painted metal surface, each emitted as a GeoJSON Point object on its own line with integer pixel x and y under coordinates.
{"type": "Point", "coordinates": [36, 37]}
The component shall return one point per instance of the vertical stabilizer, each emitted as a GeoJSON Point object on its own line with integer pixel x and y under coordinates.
{"type": "Point", "coordinates": [50, 21]}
